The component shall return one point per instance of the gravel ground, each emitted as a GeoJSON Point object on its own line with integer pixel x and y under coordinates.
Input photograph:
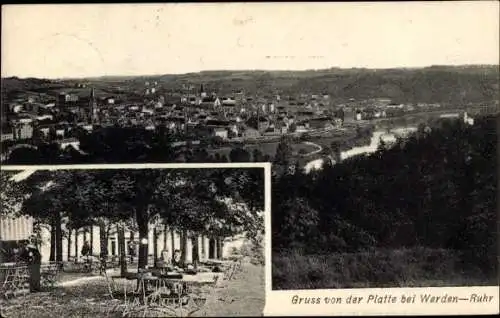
{"type": "Point", "coordinates": [243, 296]}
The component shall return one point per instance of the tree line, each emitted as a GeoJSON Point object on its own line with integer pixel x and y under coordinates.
{"type": "Point", "coordinates": [129, 145]}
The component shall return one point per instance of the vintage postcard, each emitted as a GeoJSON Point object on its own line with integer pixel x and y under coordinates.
{"type": "Point", "coordinates": [309, 158]}
{"type": "Point", "coordinates": [132, 240]}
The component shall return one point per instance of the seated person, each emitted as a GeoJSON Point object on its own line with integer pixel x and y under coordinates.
{"type": "Point", "coordinates": [165, 255]}
{"type": "Point", "coordinates": [164, 259]}
{"type": "Point", "coordinates": [177, 262]}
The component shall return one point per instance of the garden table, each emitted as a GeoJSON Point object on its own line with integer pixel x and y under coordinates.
{"type": "Point", "coordinates": [178, 296]}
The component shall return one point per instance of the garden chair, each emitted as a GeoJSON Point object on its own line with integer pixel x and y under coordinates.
{"type": "Point", "coordinates": [49, 274]}
{"type": "Point", "coordinates": [15, 280]}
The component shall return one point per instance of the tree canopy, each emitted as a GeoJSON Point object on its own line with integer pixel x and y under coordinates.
{"type": "Point", "coordinates": [221, 202]}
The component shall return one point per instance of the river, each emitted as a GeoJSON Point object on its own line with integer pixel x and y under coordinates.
{"type": "Point", "coordinates": [388, 137]}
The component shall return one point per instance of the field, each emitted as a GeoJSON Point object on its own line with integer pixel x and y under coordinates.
{"type": "Point", "coordinates": [378, 268]}
{"type": "Point", "coordinates": [243, 296]}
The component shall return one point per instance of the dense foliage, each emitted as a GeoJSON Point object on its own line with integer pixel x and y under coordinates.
{"type": "Point", "coordinates": [437, 189]}
{"type": "Point", "coordinates": [191, 201]}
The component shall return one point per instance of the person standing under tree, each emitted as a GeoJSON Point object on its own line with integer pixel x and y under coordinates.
{"type": "Point", "coordinates": [131, 250]}
{"type": "Point", "coordinates": [86, 249]}
{"type": "Point", "coordinates": [33, 257]}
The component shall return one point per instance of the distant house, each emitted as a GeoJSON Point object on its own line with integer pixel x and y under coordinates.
{"type": "Point", "coordinates": [451, 115]}
{"type": "Point", "coordinates": [48, 106]}
{"type": "Point", "coordinates": [67, 99]}
{"type": "Point", "coordinates": [301, 128]}
{"type": "Point", "coordinates": [251, 133]}
{"type": "Point", "coordinates": [304, 113]}
{"type": "Point", "coordinates": [63, 144]}
{"type": "Point", "coordinates": [281, 109]}
{"type": "Point", "coordinates": [45, 131]}
{"type": "Point", "coordinates": [272, 131]}
{"type": "Point", "coordinates": [192, 100]}
{"type": "Point", "coordinates": [23, 119]}
{"type": "Point", "coordinates": [23, 131]}
{"type": "Point", "coordinates": [259, 123]}
{"type": "Point", "coordinates": [210, 102]}
{"type": "Point", "coordinates": [214, 123]}
{"type": "Point", "coordinates": [394, 105]}
{"type": "Point", "coordinates": [148, 111]}
{"type": "Point", "coordinates": [7, 133]}
{"type": "Point", "coordinates": [271, 107]}
{"type": "Point", "coordinates": [228, 101]}
{"type": "Point", "coordinates": [60, 131]}
{"type": "Point", "coordinates": [176, 122]}
{"type": "Point", "coordinates": [234, 130]}
{"type": "Point", "coordinates": [468, 120]}
{"type": "Point", "coordinates": [320, 123]}
{"type": "Point", "coordinates": [32, 107]}
{"type": "Point", "coordinates": [88, 128]}
{"type": "Point", "coordinates": [220, 132]}
{"type": "Point", "coordinates": [44, 117]}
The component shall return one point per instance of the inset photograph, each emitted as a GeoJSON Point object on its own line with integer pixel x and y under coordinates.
{"type": "Point", "coordinates": [132, 242]}
{"type": "Point", "coordinates": [405, 203]}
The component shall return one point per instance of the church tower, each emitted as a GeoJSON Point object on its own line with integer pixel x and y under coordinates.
{"type": "Point", "coordinates": [93, 107]}
{"type": "Point", "coordinates": [202, 91]}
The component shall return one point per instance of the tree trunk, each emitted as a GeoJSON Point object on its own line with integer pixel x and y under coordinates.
{"type": "Point", "coordinates": [92, 240]}
{"type": "Point", "coordinates": [59, 238]}
{"type": "Point", "coordinates": [172, 237]}
{"type": "Point", "coordinates": [219, 248]}
{"type": "Point", "coordinates": [211, 248]}
{"type": "Point", "coordinates": [103, 239]}
{"type": "Point", "coordinates": [222, 247]}
{"type": "Point", "coordinates": [121, 250]}
{"type": "Point", "coordinates": [52, 255]}
{"type": "Point", "coordinates": [165, 233]}
{"type": "Point", "coordinates": [70, 231]}
{"type": "Point", "coordinates": [76, 245]}
{"type": "Point", "coordinates": [2, 258]}
{"type": "Point", "coordinates": [132, 237]}
{"type": "Point", "coordinates": [155, 246]}
{"type": "Point", "coordinates": [203, 252]}
{"type": "Point", "coordinates": [196, 255]}
{"type": "Point", "coordinates": [143, 234]}
{"type": "Point", "coordinates": [183, 245]}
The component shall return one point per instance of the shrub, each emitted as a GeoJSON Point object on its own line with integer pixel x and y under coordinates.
{"type": "Point", "coordinates": [415, 267]}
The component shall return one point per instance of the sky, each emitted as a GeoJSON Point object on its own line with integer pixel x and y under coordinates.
{"type": "Point", "coordinates": [56, 41]}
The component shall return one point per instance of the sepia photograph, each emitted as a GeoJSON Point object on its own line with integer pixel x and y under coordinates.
{"type": "Point", "coordinates": [169, 242]}
{"type": "Point", "coordinates": [222, 159]}
{"type": "Point", "coordinates": [402, 192]}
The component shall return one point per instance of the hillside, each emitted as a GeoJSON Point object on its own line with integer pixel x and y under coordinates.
{"type": "Point", "coordinates": [432, 84]}
{"type": "Point", "coordinates": [445, 84]}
